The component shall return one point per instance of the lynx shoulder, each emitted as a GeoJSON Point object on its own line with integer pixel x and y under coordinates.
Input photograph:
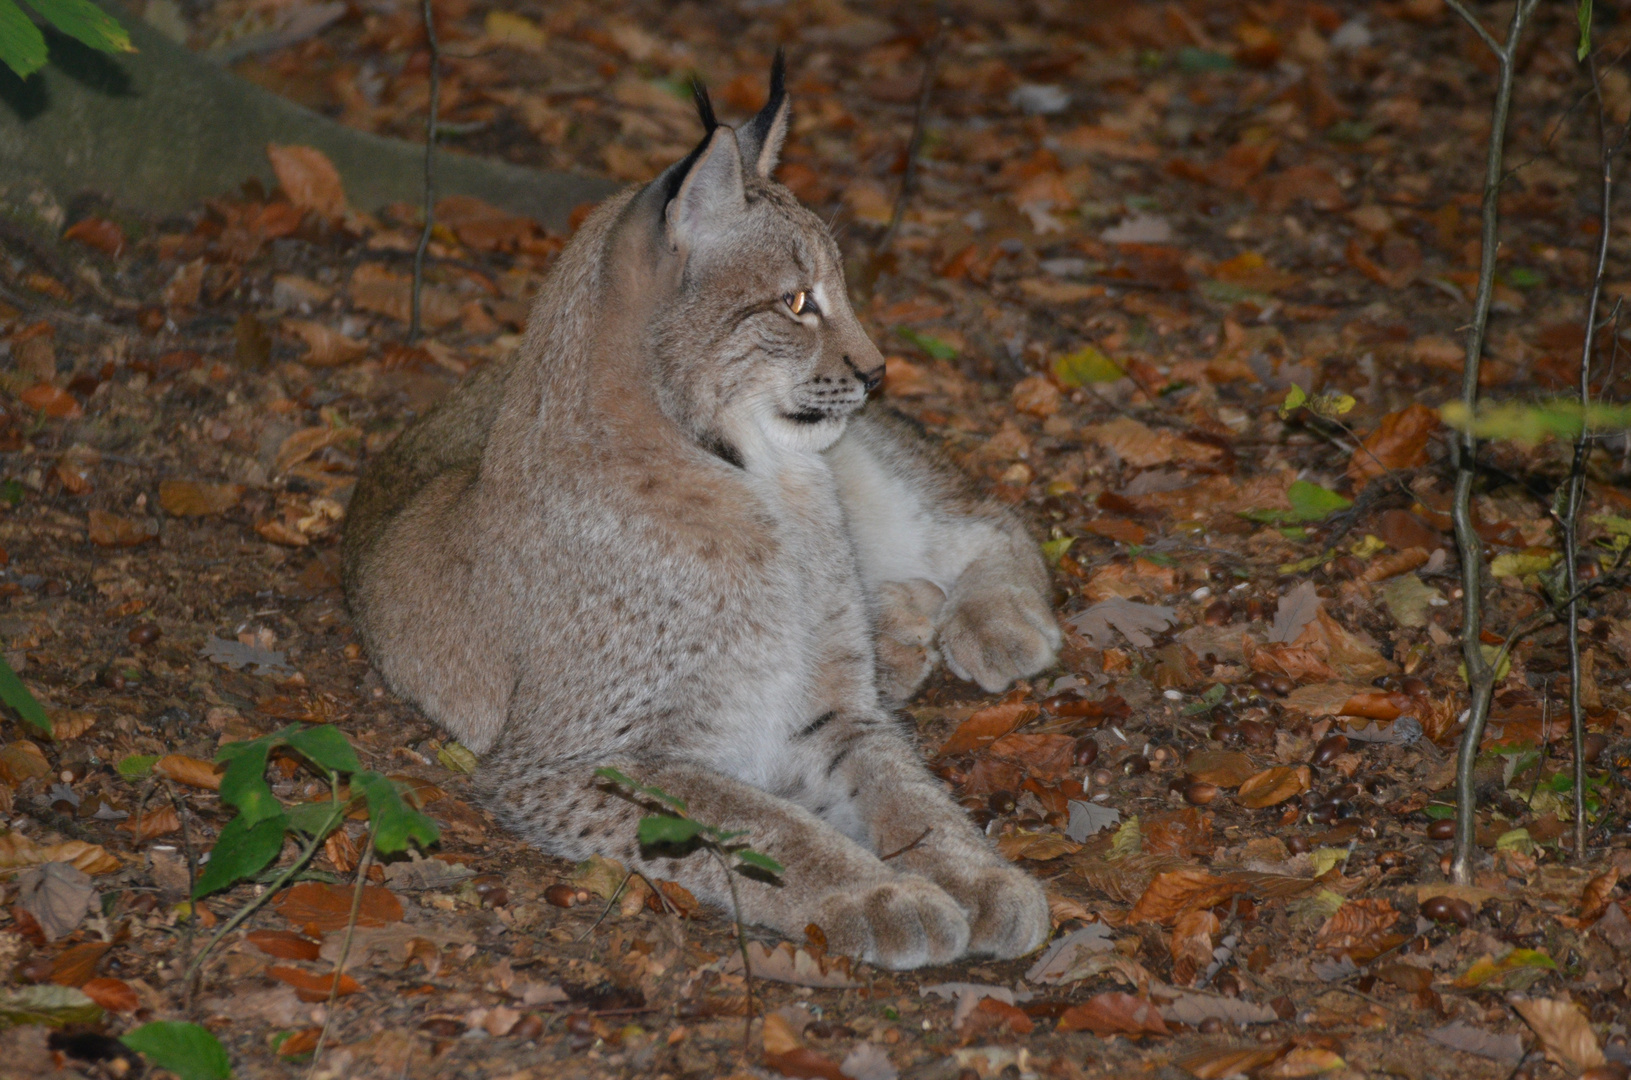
{"type": "Point", "coordinates": [670, 537]}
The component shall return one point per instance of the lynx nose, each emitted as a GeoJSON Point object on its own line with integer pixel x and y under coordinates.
{"type": "Point", "coordinates": [869, 379]}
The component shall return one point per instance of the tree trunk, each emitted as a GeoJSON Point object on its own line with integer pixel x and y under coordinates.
{"type": "Point", "coordinates": [161, 129]}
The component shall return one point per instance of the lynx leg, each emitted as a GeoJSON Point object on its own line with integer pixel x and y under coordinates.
{"type": "Point", "coordinates": [911, 820]}
{"type": "Point", "coordinates": [907, 612]}
{"type": "Point", "coordinates": [864, 907]}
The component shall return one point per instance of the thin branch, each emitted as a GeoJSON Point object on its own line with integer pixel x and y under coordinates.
{"type": "Point", "coordinates": [1469, 546]}
{"type": "Point", "coordinates": [345, 946]}
{"type": "Point", "coordinates": [430, 157]}
{"type": "Point", "coordinates": [931, 63]}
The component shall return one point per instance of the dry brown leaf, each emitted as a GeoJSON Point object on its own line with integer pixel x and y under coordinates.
{"type": "Point", "coordinates": [194, 772]}
{"type": "Point", "coordinates": [377, 289]}
{"type": "Point", "coordinates": [21, 761]}
{"type": "Point", "coordinates": [304, 443]}
{"type": "Point", "coordinates": [1182, 833]}
{"type": "Point", "coordinates": [1192, 945]}
{"type": "Point", "coordinates": [184, 498]}
{"type": "Point", "coordinates": [1356, 925]}
{"type": "Point", "coordinates": [114, 995]}
{"type": "Point", "coordinates": [328, 907]}
{"type": "Point", "coordinates": [149, 824]}
{"type": "Point", "coordinates": [308, 178]}
{"type": "Point", "coordinates": [1595, 897]}
{"type": "Point", "coordinates": [988, 1019]}
{"type": "Point", "coordinates": [1564, 1032]}
{"type": "Point", "coordinates": [67, 725]}
{"type": "Point", "coordinates": [309, 986]}
{"type": "Point", "coordinates": [284, 944]}
{"type": "Point", "coordinates": [1348, 655]}
{"type": "Point", "coordinates": [1046, 758]}
{"type": "Point", "coordinates": [325, 346]}
{"type": "Point", "coordinates": [75, 965]}
{"type": "Point", "coordinates": [1272, 787]}
{"type": "Point", "coordinates": [1173, 892]}
{"type": "Point", "coordinates": [1225, 768]}
{"type": "Point", "coordinates": [18, 850]}
{"type": "Point", "coordinates": [790, 964]}
{"type": "Point", "coordinates": [1304, 1061]}
{"type": "Point", "coordinates": [1037, 846]}
{"type": "Point", "coordinates": [1144, 447]}
{"type": "Point", "coordinates": [1221, 1062]}
{"type": "Point", "coordinates": [987, 726]}
{"type": "Point", "coordinates": [1399, 562]}
{"type": "Point", "coordinates": [184, 285]}
{"type": "Point", "coordinates": [1114, 1013]}
{"type": "Point", "coordinates": [111, 530]}
{"type": "Point", "coordinates": [1399, 442]}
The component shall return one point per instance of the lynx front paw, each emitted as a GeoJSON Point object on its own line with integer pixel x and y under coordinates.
{"type": "Point", "coordinates": [902, 923]}
{"type": "Point", "coordinates": [905, 644]}
{"type": "Point", "coordinates": [1007, 911]}
{"type": "Point", "coordinates": [998, 635]}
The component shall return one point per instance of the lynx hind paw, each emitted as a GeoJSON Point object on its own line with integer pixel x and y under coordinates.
{"type": "Point", "coordinates": [998, 635]}
{"type": "Point", "coordinates": [903, 923]}
{"type": "Point", "coordinates": [1007, 911]}
{"type": "Point", "coordinates": [905, 644]}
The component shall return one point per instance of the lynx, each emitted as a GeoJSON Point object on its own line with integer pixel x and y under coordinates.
{"type": "Point", "coordinates": [669, 538]}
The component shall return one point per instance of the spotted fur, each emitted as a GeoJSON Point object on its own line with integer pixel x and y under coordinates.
{"type": "Point", "coordinates": [667, 537]}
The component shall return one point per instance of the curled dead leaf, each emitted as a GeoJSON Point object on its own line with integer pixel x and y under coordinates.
{"type": "Point", "coordinates": [1173, 892]}
{"type": "Point", "coordinates": [194, 772]}
{"type": "Point", "coordinates": [184, 498]}
{"type": "Point", "coordinates": [987, 726]}
{"type": "Point", "coordinates": [325, 346]}
{"type": "Point", "coordinates": [308, 178]}
{"type": "Point", "coordinates": [18, 850]}
{"type": "Point", "coordinates": [1564, 1032]}
{"type": "Point", "coordinates": [1274, 786]}
{"type": "Point", "coordinates": [1114, 1013]}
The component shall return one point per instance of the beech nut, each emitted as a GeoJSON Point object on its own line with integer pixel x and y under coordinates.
{"type": "Point", "coordinates": [1200, 793]}
{"type": "Point", "coordinates": [1447, 909]}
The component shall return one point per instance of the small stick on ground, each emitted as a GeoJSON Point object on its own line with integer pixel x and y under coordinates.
{"type": "Point", "coordinates": [931, 63]}
{"type": "Point", "coordinates": [345, 946]}
{"type": "Point", "coordinates": [430, 157]}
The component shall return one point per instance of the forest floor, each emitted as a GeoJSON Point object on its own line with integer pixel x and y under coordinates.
{"type": "Point", "coordinates": [1135, 227]}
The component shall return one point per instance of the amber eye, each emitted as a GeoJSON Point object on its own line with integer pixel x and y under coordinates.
{"type": "Point", "coordinates": [798, 302]}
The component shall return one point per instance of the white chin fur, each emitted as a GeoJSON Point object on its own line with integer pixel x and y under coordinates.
{"type": "Point", "coordinates": [805, 438]}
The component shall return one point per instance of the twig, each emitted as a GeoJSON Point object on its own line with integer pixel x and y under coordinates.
{"type": "Point", "coordinates": [1577, 467]}
{"type": "Point", "coordinates": [922, 836]}
{"type": "Point", "coordinates": [430, 156]}
{"type": "Point", "coordinates": [741, 946]}
{"type": "Point", "coordinates": [1480, 674]}
{"type": "Point", "coordinates": [345, 946]}
{"type": "Point", "coordinates": [607, 910]}
{"type": "Point", "coordinates": [931, 61]}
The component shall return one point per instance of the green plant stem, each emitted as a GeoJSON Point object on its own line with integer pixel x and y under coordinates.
{"type": "Point", "coordinates": [1469, 546]}
{"type": "Point", "coordinates": [254, 905]}
{"type": "Point", "coordinates": [345, 946]}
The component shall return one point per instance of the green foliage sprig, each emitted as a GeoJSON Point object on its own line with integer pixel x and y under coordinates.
{"type": "Point", "coordinates": [22, 45]}
{"type": "Point", "coordinates": [675, 826]}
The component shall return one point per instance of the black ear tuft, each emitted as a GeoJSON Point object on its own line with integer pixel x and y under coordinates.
{"type": "Point", "coordinates": [762, 137]}
{"type": "Point", "coordinates": [705, 106]}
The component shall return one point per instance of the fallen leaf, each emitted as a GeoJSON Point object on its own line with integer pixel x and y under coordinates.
{"type": "Point", "coordinates": [55, 1006]}
{"type": "Point", "coordinates": [1068, 951]}
{"type": "Point", "coordinates": [1132, 619]}
{"type": "Point", "coordinates": [1399, 442]}
{"type": "Point", "coordinates": [377, 289]}
{"type": "Point", "coordinates": [18, 850]}
{"type": "Point", "coordinates": [312, 987]}
{"type": "Point", "coordinates": [1471, 1040]}
{"type": "Point", "coordinates": [284, 944]}
{"type": "Point", "coordinates": [1356, 925]}
{"type": "Point", "coordinates": [1564, 1032]}
{"type": "Point", "coordinates": [75, 965]}
{"type": "Point", "coordinates": [1222, 1062]}
{"type": "Point", "coordinates": [325, 346]}
{"type": "Point", "coordinates": [99, 233]}
{"type": "Point", "coordinates": [328, 907]}
{"type": "Point", "coordinates": [184, 498]}
{"type": "Point", "coordinates": [1193, 1007]}
{"type": "Point", "coordinates": [1295, 610]}
{"type": "Point", "coordinates": [1173, 892]}
{"type": "Point", "coordinates": [149, 824]}
{"type": "Point", "coordinates": [802, 1061]}
{"type": "Point", "coordinates": [114, 995]}
{"type": "Point", "coordinates": [309, 179]}
{"type": "Point", "coordinates": [398, 943]}
{"type": "Point", "coordinates": [789, 964]}
{"type": "Point", "coordinates": [1272, 787]}
{"type": "Point", "coordinates": [57, 895]}
{"type": "Point", "coordinates": [1088, 818]}
{"type": "Point", "coordinates": [986, 726]}
{"type": "Point", "coordinates": [1036, 846]}
{"type": "Point", "coordinates": [1225, 768]}
{"type": "Point", "coordinates": [53, 401]}
{"type": "Point", "coordinates": [1303, 1061]}
{"type": "Point", "coordinates": [1145, 447]}
{"type": "Point", "coordinates": [194, 772]}
{"type": "Point", "coordinates": [22, 761]}
{"type": "Point", "coordinates": [868, 1061]}
{"type": "Point", "coordinates": [1114, 1013]}
{"type": "Point", "coordinates": [992, 1019]}
{"type": "Point", "coordinates": [1192, 945]}
{"type": "Point", "coordinates": [111, 530]}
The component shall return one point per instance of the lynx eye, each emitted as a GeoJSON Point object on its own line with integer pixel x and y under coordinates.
{"type": "Point", "coordinates": [798, 303]}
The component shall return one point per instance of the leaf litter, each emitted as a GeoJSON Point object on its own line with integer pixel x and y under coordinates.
{"type": "Point", "coordinates": [1184, 214]}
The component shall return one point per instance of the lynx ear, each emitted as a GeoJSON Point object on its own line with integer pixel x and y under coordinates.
{"type": "Point", "coordinates": [762, 137]}
{"type": "Point", "coordinates": [710, 192]}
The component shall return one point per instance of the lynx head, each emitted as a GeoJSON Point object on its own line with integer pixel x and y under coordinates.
{"type": "Point", "coordinates": [756, 345]}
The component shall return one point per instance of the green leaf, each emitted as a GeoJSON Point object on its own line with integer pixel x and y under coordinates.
{"type": "Point", "coordinates": [1439, 813]}
{"type": "Point", "coordinates": [1303, 566]}
{"type": "Point", "coordinates": [395, 822]}
{"type": "Point", "coordinates": [316, 818]}
{"type": "Point", "coordinates": [1310, 502]}
{"type": "Point", "coordinates": [136, 766]}
{"type": "Point", "coordinates": [188, 1050]}
{"type": "Point", "coordinates": [1521, 277]}
{"type": "Point", "coordinates": [1193, 61]}
{"type": "Point", "coordinates": [1205, 701]}
{"type": "Point", "coordinates": [760, 860]}
{"type": "Point", "coordinates": [1054, 550]}
{"type": "Point", "coordinates": [85, 22]}
{"type": "Point", "coordinates": [11, 492]}
{"type": "Point", "coordinates": [1296, 398]}
{"type": "Point", "coordinates": [1085, 365]}
{"type": "Point", "coordinates": [244, 785]}
{"type": "Point", "coordinates": [624, 780]}
{"type": "Point", "coordinates": [1582, 12]}
{"type": "Point", "coordinates": [933, 346]}
{"type": "Point", "coordinates": [327, 748]}
{"type": "Point", "coordinates": [240, 851]}
{"type": "Point", "coordinates": [22, 48]}
{"type": "Point", "coordinates": [663, 829]}
{"type": "Point", "coordinates": [1532, 422]}
{"type": "Point", "coordinates": [14, 693]}
{"type": "Point", "coordinates": [456, 757]}
{"type": "Point", "coordinates": [46, 1004]}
